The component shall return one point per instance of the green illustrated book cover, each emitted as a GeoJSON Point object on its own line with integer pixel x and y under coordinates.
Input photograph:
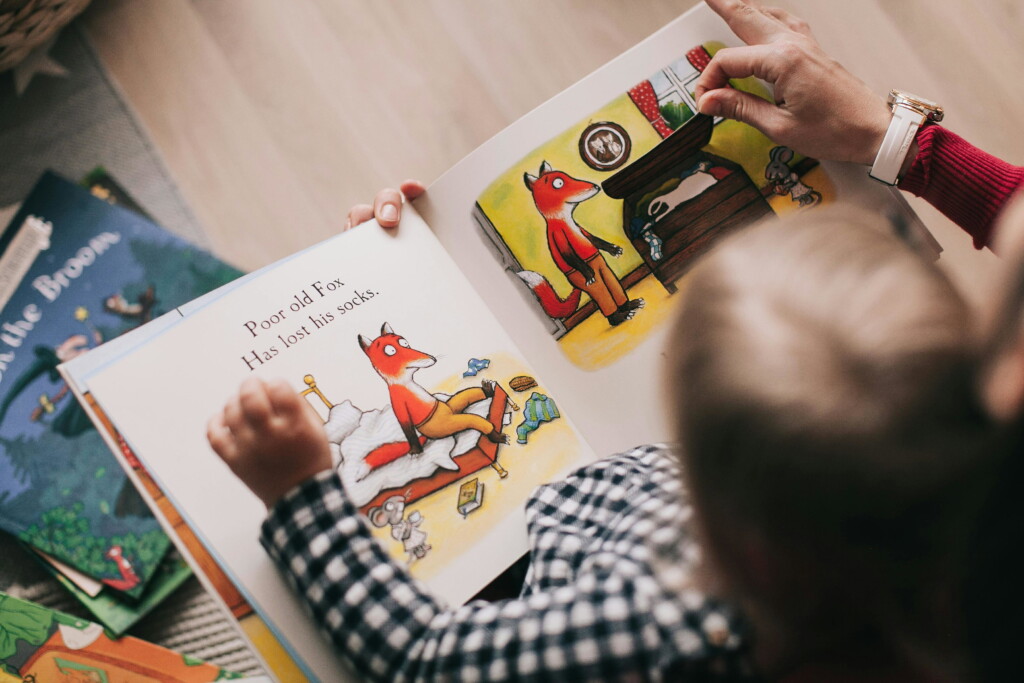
{"type": "Point", "coordinates": [75, 271]}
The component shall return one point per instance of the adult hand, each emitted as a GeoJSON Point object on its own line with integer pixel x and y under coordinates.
{"type": "Point", "coordinates": [820, 109]}
{"type": "Point", "coordinates": [386, 207]}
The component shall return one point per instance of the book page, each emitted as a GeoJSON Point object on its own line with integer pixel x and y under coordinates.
{"type": "Point", "coordinates": [579, 222]}
{"type": "Point", "coordinates": [308, 320]}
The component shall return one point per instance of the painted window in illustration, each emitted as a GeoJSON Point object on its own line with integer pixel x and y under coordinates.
{"type": "Point", "coordinates": [602, 222]}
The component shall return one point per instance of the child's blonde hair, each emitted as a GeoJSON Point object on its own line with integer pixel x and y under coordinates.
{"type": "Point", "coordinates": [824, 411]}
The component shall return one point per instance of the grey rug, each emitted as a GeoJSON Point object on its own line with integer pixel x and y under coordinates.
{"type": "Point", "coordinates": [71, 124]}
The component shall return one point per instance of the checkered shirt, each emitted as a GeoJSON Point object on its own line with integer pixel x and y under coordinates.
{"type": "Point", "coordinates": [607, 594]}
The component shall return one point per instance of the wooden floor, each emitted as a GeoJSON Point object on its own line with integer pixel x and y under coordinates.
{"type": "Point", "coordinates": [275, 117]}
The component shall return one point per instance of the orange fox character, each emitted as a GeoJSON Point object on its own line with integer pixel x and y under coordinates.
{"type": "Point", "coordinates": [418, 411]}
{"type": "Point", "coordinates": [574, 250]}
{"type": "Point", "coordinates": [129, 579]}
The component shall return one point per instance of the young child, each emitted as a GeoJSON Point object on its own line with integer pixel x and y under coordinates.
{"type": "Point", "coordinates": [832, 443]}
{"type": "Point", "coordinates": [817, 392]}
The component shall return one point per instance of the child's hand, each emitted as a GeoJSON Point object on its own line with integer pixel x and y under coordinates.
{"type": "Point", "coordinates": [386, 207]}
{"type": "Point", "coordinates": [820, 108]}
{"type": "Point", "coordinates": [270, 438]}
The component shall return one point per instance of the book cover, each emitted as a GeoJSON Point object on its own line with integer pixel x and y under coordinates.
{"type": "Point", "coordinates": [115, 610]}
{"type": "Point", "coordinates": [40, 644]}
{"type": "Point", "coordinates": [116, 613]}
{"type": "Point", "coordinates": [75, 272]}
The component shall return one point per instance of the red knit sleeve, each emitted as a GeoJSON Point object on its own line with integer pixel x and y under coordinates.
{"type": "Point", "coordinates": [966, 184]}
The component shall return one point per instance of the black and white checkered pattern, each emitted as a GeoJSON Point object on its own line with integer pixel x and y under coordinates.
{"type": "Point", "coordinates": [608, 595]}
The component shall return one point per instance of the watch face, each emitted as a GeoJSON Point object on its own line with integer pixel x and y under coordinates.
{"type": "Point", "coordinates": [932, 110]}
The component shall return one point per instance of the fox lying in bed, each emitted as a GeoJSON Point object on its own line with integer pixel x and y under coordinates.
{"type": "Point", "coordinates": [420, 414]}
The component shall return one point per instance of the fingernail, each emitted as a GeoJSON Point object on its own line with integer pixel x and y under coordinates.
{"type": "Point", "coordinates": [348, 224]}
{"type": "Point", "coordinates": [389, 212]}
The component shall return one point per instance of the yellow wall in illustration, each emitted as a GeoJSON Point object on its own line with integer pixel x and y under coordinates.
{"type": "Point", "coordinates": [509, 204]}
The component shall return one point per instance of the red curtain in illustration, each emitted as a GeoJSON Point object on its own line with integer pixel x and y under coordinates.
{"type": "Point", "coordinates": [698, 58]}
{"type": "Point", "coordinates": [646, 101]}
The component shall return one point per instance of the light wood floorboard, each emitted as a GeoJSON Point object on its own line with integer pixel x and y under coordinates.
{"type": "Point", "coordinates": [275, 117]}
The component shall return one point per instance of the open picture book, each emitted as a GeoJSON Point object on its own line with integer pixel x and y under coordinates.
{"type": "Point", "coordinates": [512, 328]}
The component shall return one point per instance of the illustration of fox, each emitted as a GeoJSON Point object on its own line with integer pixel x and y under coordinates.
{"type": "Point", "coordinates": [418, 411]}
{"type": "Point", "coordinates": [575, 251]}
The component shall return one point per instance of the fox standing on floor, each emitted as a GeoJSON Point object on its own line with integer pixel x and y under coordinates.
{"type": "Point", "coordinates": [575, 251]}
{"type": "Point", "coordinates": [418, 411]}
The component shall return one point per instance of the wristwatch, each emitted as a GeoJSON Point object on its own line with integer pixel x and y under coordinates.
{"type": "Point", "coordinates": [909, 113]}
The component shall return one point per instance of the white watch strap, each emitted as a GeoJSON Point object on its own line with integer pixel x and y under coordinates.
{"type": "Point", "coordinates": [898, 139]}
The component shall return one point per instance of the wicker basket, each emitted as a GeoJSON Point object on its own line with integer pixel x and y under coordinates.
{"type": "Point", "coordinates": [26, 24]}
